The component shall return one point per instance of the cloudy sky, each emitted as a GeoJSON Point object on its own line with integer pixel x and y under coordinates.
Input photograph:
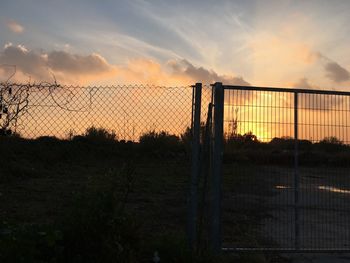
{"type": "Point", "coordinates": [246, 42]}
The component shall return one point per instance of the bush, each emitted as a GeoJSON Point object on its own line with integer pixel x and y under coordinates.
{"type": "Point", "coordinates": [284, 143]}
{"type": "Point", "coordinates": [30, 243]}
{"type": "Point", "coordinates": [160, 142]}
{"type": "Point", "coordinates": [100, 134]}
{"type": "Point", "coordinates": [331, 144]}
{"type": "Point", "coordinates": [233, 142]}
{"type": "Point", "coordinates": [331, 140]}
{"type": "Point", "coordinates": [97, 229]}
{"type": "Point", "coordinates": [186, 136]}
{"type": "Point", "coordinates": [100, 229]}
{"type": "Point", "coordinates": [8, 133]}
{"type": "Point", "coordinates": [169, 247]}
{"type": "Point", "coordinates": [48, 139]}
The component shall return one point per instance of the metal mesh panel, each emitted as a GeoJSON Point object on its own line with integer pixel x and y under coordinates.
{"type": "Point", "coordinates": [286, 188]}
{"type": "Point", "coordinates": [40, 177]}
{"type": "Point", "coordinates": [324, 172]}
{"type": "Point", "coordinates": [129, 111]}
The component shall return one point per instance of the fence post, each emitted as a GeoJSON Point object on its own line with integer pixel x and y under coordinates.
{"type": "Point", "coordinates": [195, 169]}
{"type": "Point", "coordinates": [217, 168]}
{"type": "Point", "coordinates": [296, 174]}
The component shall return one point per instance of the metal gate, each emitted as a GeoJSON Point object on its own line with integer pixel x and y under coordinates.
{"type": "Point", "coordinates": [279, 169]}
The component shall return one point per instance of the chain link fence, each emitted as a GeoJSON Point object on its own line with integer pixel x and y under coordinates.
{"type": "Point", "coordinates": [65, 111]}
{"type": "Point", "coordinates": [59, 143]}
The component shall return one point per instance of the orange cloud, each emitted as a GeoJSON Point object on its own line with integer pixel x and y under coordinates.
{"type": "Point", "coordinates": [284, 51]}
{"type": "Point", "coordinates": [174, 72]}
{"type": "Point", "coordinates": [66, 67]}
{"type": "Point", "coordinates": [14, 26]}
{"type": "Point", "coordinates": [146, 71]}
{"type": "Point", "coordinates": [94, 69]}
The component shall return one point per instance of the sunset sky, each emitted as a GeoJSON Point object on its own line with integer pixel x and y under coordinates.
{"type": "Point", "coordinates": [263, 43]}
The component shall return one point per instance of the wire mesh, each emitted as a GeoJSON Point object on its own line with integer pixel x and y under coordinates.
{"type": "Point", "coordinates": [129, 111]}
{"type": "Point", "coordinates": [277, 196]}
{"type": "Point", "coordinates": [324, 178]}
{"type": "Point", "coordinates": [40, 177]}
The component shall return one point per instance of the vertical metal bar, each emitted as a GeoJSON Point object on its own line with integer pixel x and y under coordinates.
{"type": "Point", "coordinates": [217, 168]}
{"type": "Point", "coordinates": [192, 115]}
{"type": "Point", "coordinates": [296, 174]}
{"type": "Point", "coordinates": [206, 166]}
{"type": "Point", "coordinates": [195, 169]}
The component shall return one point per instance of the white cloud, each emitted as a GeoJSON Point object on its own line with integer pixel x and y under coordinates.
{"type": "Point", "coordinates": [9, 44]}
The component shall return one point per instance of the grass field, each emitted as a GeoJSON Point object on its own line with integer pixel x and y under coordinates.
{"type": "Point", "coordinates": [44, 183]}
{"type": "Point", "coordinates": [41, 181]}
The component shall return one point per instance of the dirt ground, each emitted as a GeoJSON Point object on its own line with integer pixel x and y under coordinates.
{"type": "Point", "coordinates": [263, 204]}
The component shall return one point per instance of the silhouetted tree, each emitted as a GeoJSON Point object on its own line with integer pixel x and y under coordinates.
{"type": "Point", "coordinates": [186, 137]}
{"type": "Point", "coordinates": [14, 101]}
{"type": "Point", "coordinates": [331, 140]}
{"type": "Point", "coordinates": [13, 104]}
{"type": "Point", "coordinates": [242, 139]}
{"type": "Point", "coordinates": [283, 143]}
{"type": "Point", "coordinates": [331, 144]}
{"type": "Point", "coordinates": [100, 134]}
{"type": "Point", "coordinates": [233, 125]}
{"type": "Point", "coordinates": [250, 137]}
{"type": "Point", "coordinates": [159, 141]}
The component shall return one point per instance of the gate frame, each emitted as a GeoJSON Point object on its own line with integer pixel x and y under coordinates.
{"type": "Point", "coordinates": [195, 168]}
{"type": "Point", "coordinates": [216, 181]}
{"type": "Point", "coordinates": [216, 193]}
